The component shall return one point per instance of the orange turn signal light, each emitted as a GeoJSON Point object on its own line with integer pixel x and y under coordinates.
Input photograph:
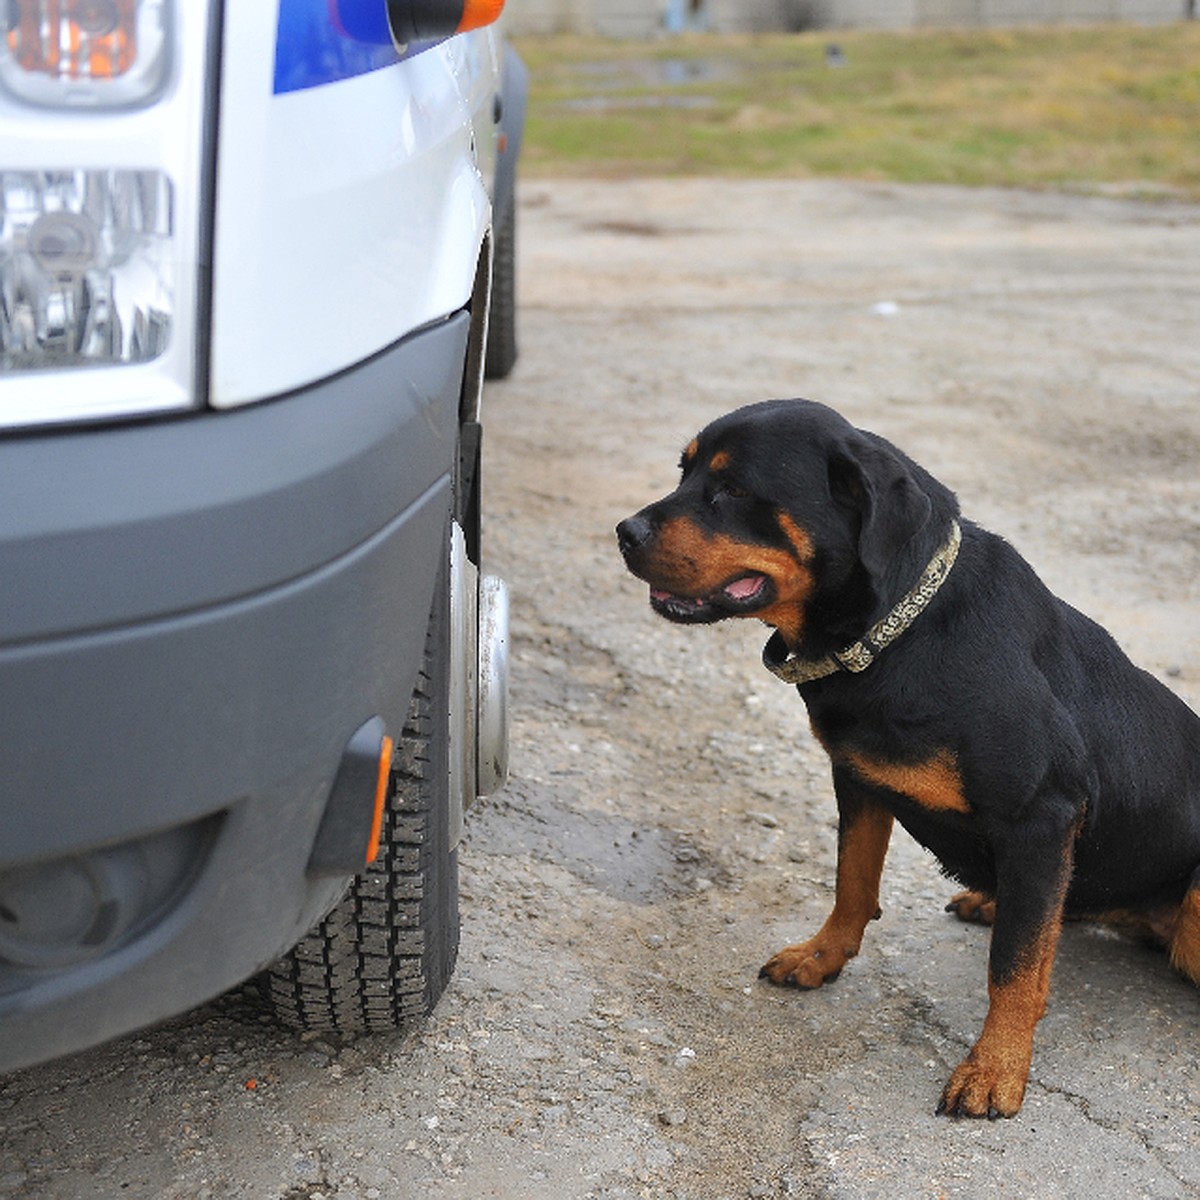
{"type": "Point", "coordinates": [428, 20]}
{"type": "Point", "coordinates": [477, 13]}
{"type": "Point", "coordinates": [381, 788]}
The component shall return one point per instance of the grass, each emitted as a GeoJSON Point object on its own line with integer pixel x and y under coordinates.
{"type": "Point", "coordinates": [1058, 107]}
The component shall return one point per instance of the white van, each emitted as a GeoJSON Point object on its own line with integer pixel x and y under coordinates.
{"type": "Point", "coordinates": [255, 261]}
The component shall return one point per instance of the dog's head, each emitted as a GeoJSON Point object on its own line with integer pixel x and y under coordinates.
{"type": "Point", "coordinates": [787, 513]}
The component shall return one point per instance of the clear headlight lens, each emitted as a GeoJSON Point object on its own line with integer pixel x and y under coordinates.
{"type": "Point", "coordinates": [86, 268]}
{"type": "Point", "coordinates": [99, 53]}
{"type": "Point", "coordinates": [104, 111]}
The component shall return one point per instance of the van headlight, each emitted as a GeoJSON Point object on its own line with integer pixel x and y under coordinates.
{"type": "Point", "coordinates": [85, 268]}
{"type": "Point", "coordinates": [107, 147]}
{"type": "Point", "coordinates": [94, 53]}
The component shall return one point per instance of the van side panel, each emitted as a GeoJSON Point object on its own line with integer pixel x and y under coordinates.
{"type": "Point", "coordinates": [347, 214]}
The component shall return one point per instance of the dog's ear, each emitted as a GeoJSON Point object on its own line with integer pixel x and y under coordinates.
{"type": "Point", "coordinates": [871, 478]}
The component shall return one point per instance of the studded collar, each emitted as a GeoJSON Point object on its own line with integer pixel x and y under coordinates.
{"type": "Point", "coordinates": [860, 655]}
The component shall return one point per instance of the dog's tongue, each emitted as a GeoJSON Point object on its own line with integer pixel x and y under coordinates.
{"type": "Point", "coordinates": [739, 589]}
{"type": "Point", "coordinates": [743, 589]}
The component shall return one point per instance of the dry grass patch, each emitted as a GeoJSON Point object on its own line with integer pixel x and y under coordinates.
{"type": "Point", "coordinates": [1072, 107]}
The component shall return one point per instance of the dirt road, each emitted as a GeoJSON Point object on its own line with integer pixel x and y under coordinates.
{"type": "Point", "coordinates": [669, 823]}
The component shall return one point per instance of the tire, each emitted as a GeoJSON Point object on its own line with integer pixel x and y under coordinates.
{"type": "Point", "coordinates": [382, 958]}
{"type": "Point", "coordinates": [501, 354]}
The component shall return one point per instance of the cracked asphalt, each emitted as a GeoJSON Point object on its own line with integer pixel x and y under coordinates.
{"type": "Point", "coordinates": [669, 823]}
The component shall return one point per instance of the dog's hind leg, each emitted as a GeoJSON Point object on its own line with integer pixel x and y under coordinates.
{"type": "Point", "coordinates": [976, 907]}
{"type": "Point", "coordinates": [1185, 940]}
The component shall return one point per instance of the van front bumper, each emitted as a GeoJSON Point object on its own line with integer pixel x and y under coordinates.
{"type": "Point", "coordinates": [197, 616]}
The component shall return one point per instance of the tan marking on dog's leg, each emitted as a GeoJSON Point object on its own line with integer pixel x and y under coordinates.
{"type": "Point", "coordinates": [991, 1080]}
{"type": "Point", "coordinates": [1185, 942]}
{"type": "Point", "coordinates": [862, 848]}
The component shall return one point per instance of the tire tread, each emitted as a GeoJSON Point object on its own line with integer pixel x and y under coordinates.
{"type": "Point", "coordinates": [382, 957]}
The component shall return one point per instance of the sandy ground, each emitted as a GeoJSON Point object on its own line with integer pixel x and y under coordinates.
{"type": "Point", "coordinates": [669, 823]}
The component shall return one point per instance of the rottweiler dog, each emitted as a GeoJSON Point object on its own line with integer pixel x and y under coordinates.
{"type": "Point", "coordinates": [953, 693]}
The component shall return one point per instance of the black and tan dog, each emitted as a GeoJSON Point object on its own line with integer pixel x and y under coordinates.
{"type": "Point", "coordinates": [1004, 730]}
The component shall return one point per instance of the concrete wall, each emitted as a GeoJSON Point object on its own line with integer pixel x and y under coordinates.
{"type": "Point", "coordinates": [644, 18]}
{"type": "Point", "coordinates": [610, 18]}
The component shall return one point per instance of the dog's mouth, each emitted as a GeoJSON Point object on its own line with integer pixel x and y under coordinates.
{"type": "Point", "coordinates": [742, 595]}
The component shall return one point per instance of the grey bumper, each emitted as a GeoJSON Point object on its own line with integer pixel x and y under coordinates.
{"type": "Point", "coordinates": [197, 616]}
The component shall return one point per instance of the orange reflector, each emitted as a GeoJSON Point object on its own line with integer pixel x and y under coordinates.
{"type": "Point", "coordinates": [477, 13]}
{"type": "Point", "coordinates": [381, 786]}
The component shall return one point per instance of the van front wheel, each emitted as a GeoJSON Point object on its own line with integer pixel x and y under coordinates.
{"type": "Point", "coordinates": [382, 958]}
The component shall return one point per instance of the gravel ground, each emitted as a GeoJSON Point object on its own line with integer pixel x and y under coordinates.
{"type": "Point", "coordinates": [669, 823]}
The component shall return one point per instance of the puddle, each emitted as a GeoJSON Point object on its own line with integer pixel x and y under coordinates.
{"type": "Point", "coordinates": [603, 79]}
{"type": "Point", "coordinates": [609, 103]}
{"type": "Point", "coordinates": [607, 851]}
{"type": "Point", "coordinates": [659, 72]}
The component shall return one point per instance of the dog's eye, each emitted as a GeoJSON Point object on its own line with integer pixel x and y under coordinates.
{"type": "Point", "coordinates": [727, 488]}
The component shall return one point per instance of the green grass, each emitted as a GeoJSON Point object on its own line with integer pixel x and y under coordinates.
{"type": "Point", "coordinates": [1105, 105]}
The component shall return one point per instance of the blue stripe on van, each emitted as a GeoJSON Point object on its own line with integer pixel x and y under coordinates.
{"type": "Point", "coordinates": [313, 47]}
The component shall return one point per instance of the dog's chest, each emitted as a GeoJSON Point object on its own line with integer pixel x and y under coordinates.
{"type": "Point", "coordinates": [929, 778]}
{"type": "Point", "coordinates": [932, 782]}
{"type": "Point", "coordinates": [924, 792]}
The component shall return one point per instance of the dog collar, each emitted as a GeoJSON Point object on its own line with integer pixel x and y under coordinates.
{"type": "Point", "coordinates": [862, 654]}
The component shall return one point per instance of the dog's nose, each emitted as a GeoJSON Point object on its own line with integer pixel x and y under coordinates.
{"type": "Point", "coordinates": [633, 533]}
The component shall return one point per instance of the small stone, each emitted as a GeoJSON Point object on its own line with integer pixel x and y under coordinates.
{"type": "Point", "coordinates": [673, 1116]}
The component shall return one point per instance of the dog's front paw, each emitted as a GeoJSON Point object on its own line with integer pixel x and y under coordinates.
{"type": "Point", "coordinates": [973, 906]}
{"type": "Point", "coordinates": [808, 964]}
{"type": "Point", "coordinates": [983, 1086]}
